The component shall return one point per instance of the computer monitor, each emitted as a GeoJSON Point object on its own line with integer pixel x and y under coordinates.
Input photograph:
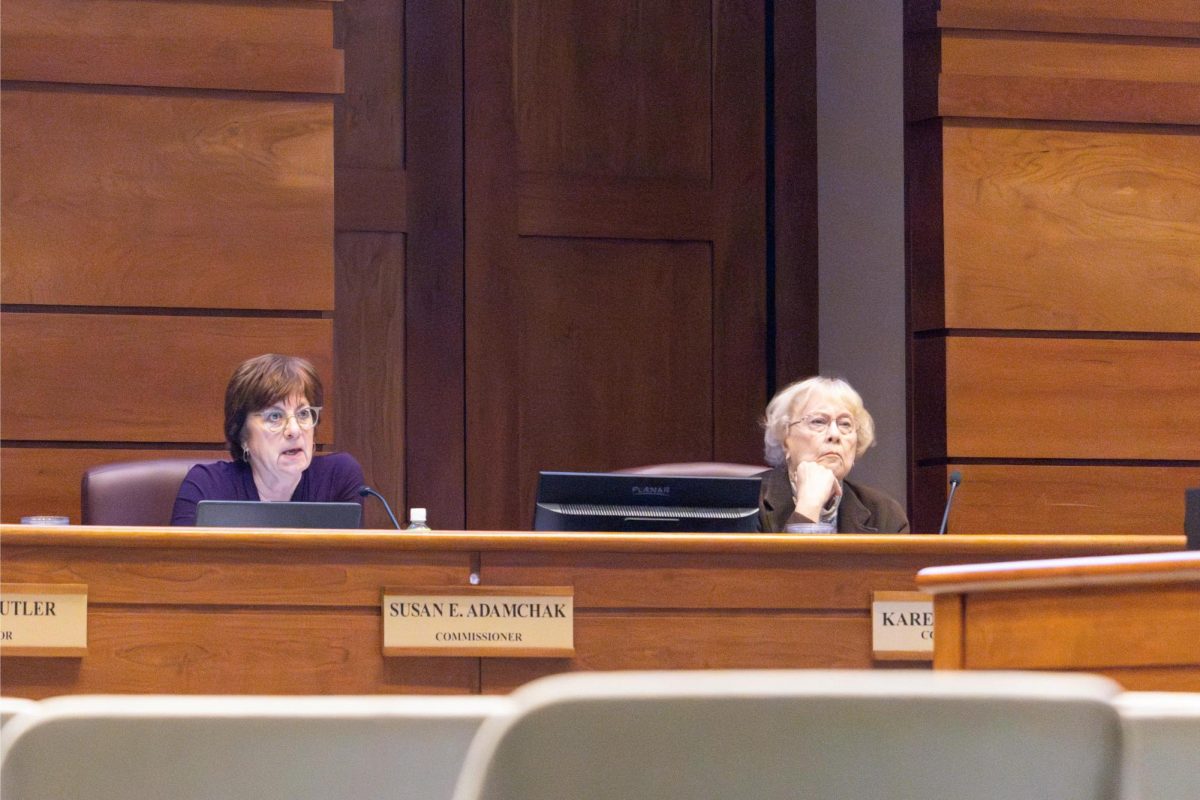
{"type": "Point", "coordinates": [598, 501]}
{"type": "Point", "coordinates": [258, 514]}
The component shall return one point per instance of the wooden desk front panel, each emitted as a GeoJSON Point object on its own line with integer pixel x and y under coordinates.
{"type": "Point", "coordinates": [238, 620]}
{"type": "Point", "coordinates": [705, 610]}
{"type": "Point", "coordinates": [1134, 617]}
{"type": "Point", "coordinates": [1146, 637]}
{"type": "Point", "coordinates": [298, 613]}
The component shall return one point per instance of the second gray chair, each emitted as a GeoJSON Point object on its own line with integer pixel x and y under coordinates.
{"type": "Point", "coordinates": [1162, 745]}
{"type": "Point", "coordinates": [782, 735]}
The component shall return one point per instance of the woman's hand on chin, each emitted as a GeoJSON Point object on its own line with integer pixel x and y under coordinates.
{"type": "Point", "coordinates": [814, 485]}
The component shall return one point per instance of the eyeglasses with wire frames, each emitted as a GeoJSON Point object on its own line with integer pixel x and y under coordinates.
{"type": "Point", "coordinates": [275, 420]}
{"type": "Point", "coordinates": [819, 423]}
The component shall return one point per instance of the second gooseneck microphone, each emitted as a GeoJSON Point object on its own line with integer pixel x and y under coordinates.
{"type": "Point", "coordinates": [365, 490]}
{"type": "Point", "coordinates": [955, 480]}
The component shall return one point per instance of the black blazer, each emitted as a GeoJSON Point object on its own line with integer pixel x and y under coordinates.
{"type": "Point", "coordinates": [862, 510]}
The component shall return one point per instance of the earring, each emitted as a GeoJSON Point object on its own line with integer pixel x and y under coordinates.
{"type": "Point", "coordinates": [245, 453]}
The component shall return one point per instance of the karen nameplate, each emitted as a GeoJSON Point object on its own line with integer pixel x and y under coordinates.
{"type": "Point", "coordinates": [902, 626]}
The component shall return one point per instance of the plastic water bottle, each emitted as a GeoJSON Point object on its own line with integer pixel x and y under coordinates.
{"type": "Point", "coordinates": [416, 520]}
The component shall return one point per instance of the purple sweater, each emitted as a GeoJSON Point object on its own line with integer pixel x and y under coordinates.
{"type": "Point", "coordinates": [334, 478]}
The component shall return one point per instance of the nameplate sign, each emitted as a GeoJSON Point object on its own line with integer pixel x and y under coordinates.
{"type": "Point", "coordinates": [43, 619]}
{"type": "Point", "coordinates": [479, 621]}
{"type": "Point", "coordinates": [902, 626]}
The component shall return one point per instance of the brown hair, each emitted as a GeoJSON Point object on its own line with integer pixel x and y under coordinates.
{"type": "Point", "coordinates": [261, 382]}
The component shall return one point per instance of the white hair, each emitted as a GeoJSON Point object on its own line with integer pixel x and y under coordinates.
{"type": "Point", "coordinates": [797, 395]}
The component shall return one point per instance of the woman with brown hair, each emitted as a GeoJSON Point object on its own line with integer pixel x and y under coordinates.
{"type": "Point", "coordinates": [272, 407]}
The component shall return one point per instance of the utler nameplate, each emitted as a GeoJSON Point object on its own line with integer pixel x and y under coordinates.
{"type": "Point", "coordinates": [43, 619]}
{"type": "Point", "coordinates": [902, 626]}
{"type": "Point", "coordinates": [479, 621]}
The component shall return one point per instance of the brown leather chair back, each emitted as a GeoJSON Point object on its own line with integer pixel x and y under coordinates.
{"type": "Point", "coordinates": [703, 469]}
{"type": "Point", "coordinates": [133, 492]}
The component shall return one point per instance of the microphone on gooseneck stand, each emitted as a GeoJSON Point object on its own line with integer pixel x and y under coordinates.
{"type": "Point", "coordinates": [955, 480]}
{"type": "Point", "coordinates": [365, 490]}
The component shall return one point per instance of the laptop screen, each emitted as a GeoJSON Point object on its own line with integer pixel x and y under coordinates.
{"type": "Point", "coordinates": [257, 514]}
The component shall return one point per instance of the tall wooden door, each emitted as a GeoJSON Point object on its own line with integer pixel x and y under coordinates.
{"type": "Point", "coordinates": [615, 296]}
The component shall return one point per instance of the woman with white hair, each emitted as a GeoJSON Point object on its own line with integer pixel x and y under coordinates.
{"type": "Point", "coordinates": [815, 429]}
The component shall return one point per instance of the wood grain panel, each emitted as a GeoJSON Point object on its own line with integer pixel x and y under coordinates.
{"type": "Point", "coordinates": [1050, 499]}
{"type": "Point", "coordinates": [109, 377]}
{"type": "Point", "coordinates": [490, 292]}
{"type": "Point", "coordinates": [1127, 17]}
{"type": "Point", "coordinates": [297, 23]}
{"type": "Point", "coordinates": [46, 480]}
{"type": "Point", "coordinates": [325, 578]}
{"type": "Point", "coordinates": [1062, 56]}
{"type": "Point", "coordinates": [698, 581]}
{"type": "Point", "coordinates": [792, 262]}
{"type": "Point", "coordinates": [1154, 679]}
{"type": "Point", "coordinates": [1109, 224]}
{"type": "Point", "coordinates": [947, 611]}
{"type": "Point", "coordinates": [371, 200]}
{"type": "Point", "coordinates": [696, 641]}
{"type": "Point", "coordinates": [1045, 630]}
{"type": "Point", "coordinates": [369, 340]}
{"type": "Point", "coordinates": [246, 652]}
{"type": "Point", "coordinates": [370, 118]}
{"type": "Point", "coordinates": [435, 379]}
{"type": "Point", "coordinates": [575, 117]}
{"type": "Point", "coordinates": [1022, 398]}
{"type": "Point", "coordinates": [740, 357]}
{"type": "Point", "coordinates": [608, 375]}
{"type": "Point", "coordinates": [563, 132]}
{"type": "Point", "coordinates": [1080, 99]}
{"type": "Point", "coordinates": [171, 62]}
{"type": "Point", "coordinates": [618, 208]}
{"type": "Point", "coordinates": [167, 201]}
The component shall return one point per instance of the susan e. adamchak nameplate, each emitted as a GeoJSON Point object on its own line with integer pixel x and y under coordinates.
{"type": "Point", "coordinates": [43, 619]}
{"type": "Point", "coordinates": [480, 621]}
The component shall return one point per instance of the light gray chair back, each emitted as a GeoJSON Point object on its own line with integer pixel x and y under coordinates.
{"type": "Point", "coordinates": [12, 706]}
{"type": "Point", "coordinates": [782, 735]}
{"type": "Point", "coordinates": [203, 747]}
{"type": "Point", "coordinates": [1161, 759]}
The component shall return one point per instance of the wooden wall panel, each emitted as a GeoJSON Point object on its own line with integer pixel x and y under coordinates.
{"type": "Point", "coordinates": [46, 480]}
{"type": "Point", "coordinates": [1028, 498]}
{"type": "Point", "coordinates": [1067, 56]}
{"type": "Point", "coordinates": [1127, 261]}
{"type": "Point", "coordinates": [299, 23]}
{"type": "Point", "coordinates": [167, 201]}
{"type": "Point", "coordinates": [370, 280]}
{"type": "Point", "coordinates": [575, 116]}
{"type": "Point", "coordinates": [1124, 17]}
{"type": "Point", "coordinates": [624, 128]}
{"type": "Point", "coordinates": [73, 389]}
{"type": "Point", "coordinates": [1055, 331]}
{"type": "Point", "coordinates": [285, 48]}
{"type": "Point", "coordinates": [167, 168]}
{"type": "Point", "coordinates": [595, 324]}
{"type": "Point", "coordinates": [68, 384]}
{"type": "Point", "coordinates": [335, 653]}
{"type": "Point", "coordinates": [435, 378]}
{"type": "Point", "coordinates": [1072, 398]}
